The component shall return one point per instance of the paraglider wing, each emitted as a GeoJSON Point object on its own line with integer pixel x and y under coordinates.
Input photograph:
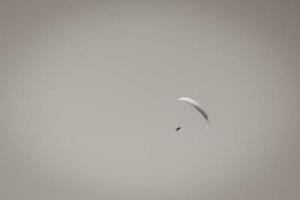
{"type": "Point", "coordinates": [196, 105]}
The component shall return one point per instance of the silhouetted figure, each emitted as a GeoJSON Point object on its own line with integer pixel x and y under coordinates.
{"type": "Point", "coordinates": [178, 128]}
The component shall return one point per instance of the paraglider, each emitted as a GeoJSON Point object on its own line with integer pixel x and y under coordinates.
{"type": "Point", "coordinates": [197, 106]}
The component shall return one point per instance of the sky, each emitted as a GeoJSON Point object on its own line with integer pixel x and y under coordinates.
{"type": "Point", "coordinates": [88, 100]}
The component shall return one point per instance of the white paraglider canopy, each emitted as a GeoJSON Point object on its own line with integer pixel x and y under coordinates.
{"type": "Point", "coordinates": [196, 105]}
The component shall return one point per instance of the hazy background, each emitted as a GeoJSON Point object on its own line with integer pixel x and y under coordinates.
{"type": "Point", "coordinates": [88, 100]}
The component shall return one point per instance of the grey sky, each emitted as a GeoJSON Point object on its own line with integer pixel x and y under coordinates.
{"type": "Point", "coordinates": [88, 100]}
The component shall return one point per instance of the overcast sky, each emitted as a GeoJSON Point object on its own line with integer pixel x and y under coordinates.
{"type": "Point", "coordinates": [88, 104]}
